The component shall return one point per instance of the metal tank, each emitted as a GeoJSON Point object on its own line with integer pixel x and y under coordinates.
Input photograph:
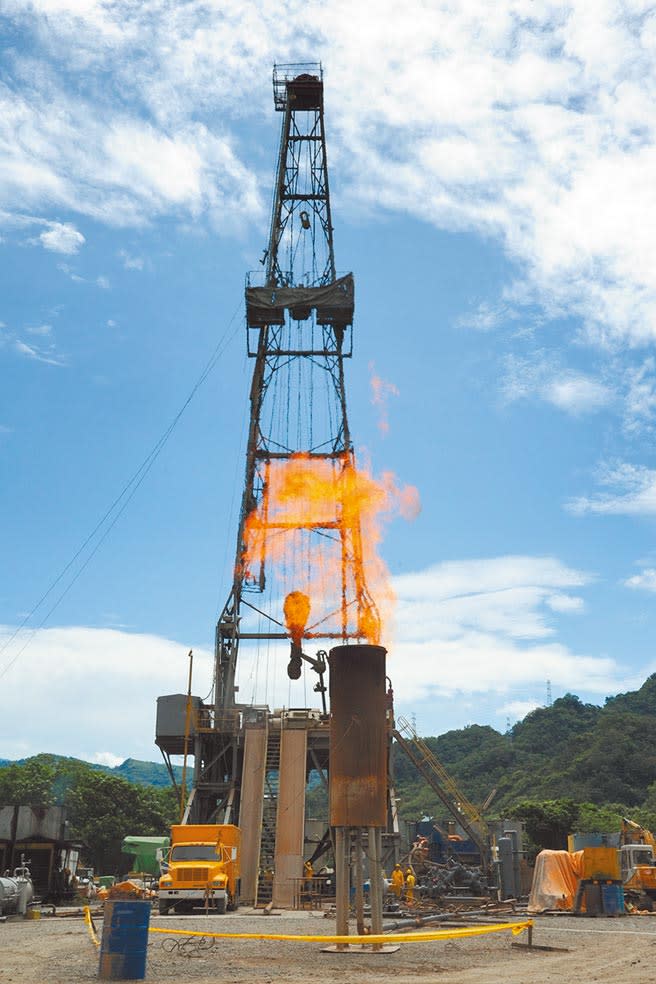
{"type": "Point", "coordinates": [8, 896]}
{"type": "Point", "coordinates": [16, 893]}
{"type": "Point", "coordinates": [358, 737]}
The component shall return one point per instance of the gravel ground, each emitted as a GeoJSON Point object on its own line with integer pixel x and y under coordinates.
{"type": "Point", "coordinates": [58, 951]}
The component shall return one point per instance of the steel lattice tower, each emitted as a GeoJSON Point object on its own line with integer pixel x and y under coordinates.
{"type": "Point", "coordinates": [299, 316]}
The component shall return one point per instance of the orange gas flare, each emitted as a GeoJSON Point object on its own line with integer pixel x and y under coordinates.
{"type": "Point", "coordinates": [297, 613]}
{"type": "Point", "coordinates": [317, 528]}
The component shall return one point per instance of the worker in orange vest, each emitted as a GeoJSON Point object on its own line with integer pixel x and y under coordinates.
{"type": "Point", "coordinates": [397, 880]}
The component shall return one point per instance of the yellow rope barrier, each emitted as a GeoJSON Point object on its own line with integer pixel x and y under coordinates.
{"type": "Point", "coordinates": [90, 926]}
{"type": "Point", "coordinates": [440, 934]}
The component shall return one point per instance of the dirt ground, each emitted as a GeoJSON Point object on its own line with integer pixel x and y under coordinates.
{"type": "Point", "coordinates": [54, 950]}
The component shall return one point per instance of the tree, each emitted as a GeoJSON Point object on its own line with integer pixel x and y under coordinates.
{"type": "Point", "coordinates": [548, 822]}
{"type": "Point", "coordinates": [27, 784]}
{"type": "Point", "coordinates": [104, 809]}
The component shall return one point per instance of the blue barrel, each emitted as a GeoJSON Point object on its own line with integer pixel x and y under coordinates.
{"type": "Point", "coordinates": [612, 897]}
{"type": "Point", "coordinates": [124, 941]}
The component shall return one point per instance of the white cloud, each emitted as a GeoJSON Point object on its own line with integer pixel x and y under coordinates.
{"type": "Point", "coordinates": [131, 262]}
{"type": "Point", "coordinates": [106, 758]}
{"type": "Point", "coordinates": [41, 330]}
{"type": "Point", "coordinates": [632, 492]}
{"type": "Point", "coordinates": [489, 625]}
{"type": "Point", "coordinates": [577, 393]}
{"type": "Point", "coordinates": [513, 121]}
{"type": "Point", "coordinates": [541, 377]}
{"type": "Point", "coordinates": [484, 318]}
{"type": "Point", "coordinates": [565, 603]}
{"type": "Point", "coordinates": [645, 581]}
{"type": "Point", "coordinates": [62, 237]}
{"type": "Point", "coordinates": [91, 688]}
{"type": "Point", "coordinates": [640, 400]}
{"type": "Point", "coordinates": [103, 282]}
{"type": "Point", "coordinates": [58, 237]}
{"type": "Point", "coordinates": [38, 355]}
{"type": "Point", "coordinates": [517, 710]}
{"type": "Point", "coordinates": [68, 270]}
{"type": "Point", "coordinates": [110, 163]}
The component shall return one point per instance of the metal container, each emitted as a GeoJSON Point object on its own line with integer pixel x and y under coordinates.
{"type": "Point", "coordinates": [612, 899]}
{"type": "Point", "coordinates": [171, 722]}
{"type": "Point", "coordinates": [8, 895]}
{"type": "Point", "coordinates": [578, 842]}
{"type": "Point", "coordinates": [601, 863]}
{"type": "Point", "coordinates": [124, 941]}
{"type": "Point", "coordinates": [358, 737]}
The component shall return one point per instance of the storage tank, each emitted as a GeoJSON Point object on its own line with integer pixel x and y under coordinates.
{"type": "Point", "coordinates": [8, 896]}
{"type": "Point", "coordinates": [358, 737]}
{"type": "Point", "coordinates": [16, 893]}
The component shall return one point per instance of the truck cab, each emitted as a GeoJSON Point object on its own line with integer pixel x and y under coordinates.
{"type": "Point", "coordinates": [202, 869]}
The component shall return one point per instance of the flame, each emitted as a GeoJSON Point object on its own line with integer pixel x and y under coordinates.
{"type": "Point", "coordinates": [317, 528]}
{"type": "Point", "coordinates": [297, 613]}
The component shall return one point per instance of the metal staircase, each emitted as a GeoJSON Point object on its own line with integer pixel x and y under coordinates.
{"type": "Point", "coordinates": [269, 817]}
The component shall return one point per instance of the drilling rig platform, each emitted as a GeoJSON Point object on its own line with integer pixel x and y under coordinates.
{"type": "Point", "coordinates": [300, 573]}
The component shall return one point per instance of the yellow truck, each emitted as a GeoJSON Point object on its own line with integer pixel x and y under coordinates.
{"type": "Point", "coordinates": [202, 869]}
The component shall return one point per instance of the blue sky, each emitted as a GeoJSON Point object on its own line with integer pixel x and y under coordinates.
{"type": "Point", "coordinates": [492, 189]}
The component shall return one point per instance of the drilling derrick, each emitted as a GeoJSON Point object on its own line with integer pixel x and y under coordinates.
{"type": "Point", "coordinates": [299, 333]}
{"type": "Point", "coordinates": [299, 571]}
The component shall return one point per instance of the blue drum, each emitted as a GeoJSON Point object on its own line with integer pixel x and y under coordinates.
{"type": "Point", "coordinates": [124, 941]}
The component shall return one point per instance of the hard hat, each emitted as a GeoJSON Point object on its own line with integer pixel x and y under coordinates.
{"type": "Point", "coordinates": [397, 865]}
{"type": "Point", "coordinates": [409, 871]}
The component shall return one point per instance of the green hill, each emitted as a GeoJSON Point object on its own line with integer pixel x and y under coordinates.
{"type": "Point", "coordinates": [134, 770]}
{"type": "Point", "coordinates": [582, 752]}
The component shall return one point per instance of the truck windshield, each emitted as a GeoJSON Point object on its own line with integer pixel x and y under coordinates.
{"type": "Point", "coordinates": [194, 852]}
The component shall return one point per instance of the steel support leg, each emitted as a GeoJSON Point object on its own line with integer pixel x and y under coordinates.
{"type": "Point", "coordinates": [342, 845]}
{"type": "Point", "coordinates": [358, 875]}
{"type": "Point", "coordinates": [376, 881]}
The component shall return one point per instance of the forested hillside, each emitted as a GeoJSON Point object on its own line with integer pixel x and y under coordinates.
{"type": "Point", "coordinates": [571, 750]}
{"type": "Point", "coordinates": [102, 807]}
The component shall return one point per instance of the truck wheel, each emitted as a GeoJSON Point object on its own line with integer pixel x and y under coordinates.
{"type": "Point", "coordinates": [220, 905]}
{"type": "Point", "coordinates": [164, 908]}
{"type": "Point", "coordinates": [646, 903]}
{"type": "Point", "coordinates": [233, 904]}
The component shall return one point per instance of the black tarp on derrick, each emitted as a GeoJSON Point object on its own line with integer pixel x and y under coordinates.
{"type": "Point", "coordinates": [332, 302]}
